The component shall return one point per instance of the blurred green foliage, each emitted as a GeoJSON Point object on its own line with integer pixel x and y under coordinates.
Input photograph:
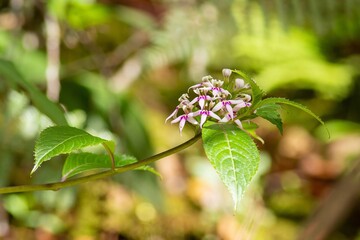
{"type": "Point", "coordinates": [122, 65]}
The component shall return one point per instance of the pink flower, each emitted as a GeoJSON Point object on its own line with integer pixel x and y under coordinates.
{"type": "Point", "coordinates": [214, 100]}
{"type": "Point", "coordinates": [173, 114]}
{"type": "Point", "coordinates": [188, 117]}
{"type": "Point", "coordinates": [205, 114]}
{"type": "Point", "coordinates": [226, 106]}
{"type": "Point", "coordinates": [201, 100]}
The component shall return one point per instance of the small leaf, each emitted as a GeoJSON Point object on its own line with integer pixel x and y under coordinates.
{"type": "Point", "coordinates": [270, 112]}
{"type": "Point", "coordinates": [293, 104]}
{"type": "Point", "coordinates": [58, 140]}
{"type": "Point", "coordinates": [40, 101]}
{"type": "Point", "coordinates": [257, 93]}
{"type": "Point", "coordinates": [233, 154]}
{"type": "Point", "coordinates": [250, 128]}
{"type": "Point", "coordinates": [81, 162]}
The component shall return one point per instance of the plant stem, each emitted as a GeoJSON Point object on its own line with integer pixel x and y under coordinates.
{"type": "Point", "coordinates": [111, 155]}
{"type": "Point", "coordinates": [72, 182]}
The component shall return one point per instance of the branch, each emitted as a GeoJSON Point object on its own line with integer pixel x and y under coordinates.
{"type": "Point", "coordinates": [72, 182]}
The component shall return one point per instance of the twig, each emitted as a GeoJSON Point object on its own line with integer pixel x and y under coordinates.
{"type": "Point", "coordinates": [72, 182]}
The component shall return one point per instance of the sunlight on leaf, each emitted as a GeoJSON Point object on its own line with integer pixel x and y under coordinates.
{"type": "Point", "coordinates": [234, 156]}
{"type": "Point", "coordinates": [58, 140]}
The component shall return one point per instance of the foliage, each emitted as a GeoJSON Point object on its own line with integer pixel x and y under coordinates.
{"type": "Point", "coordinates": [121, 67]}
{"type": "Point", "coordinates": [230, 150]}
{"type": "Point", "coordinates": [234, 156]}
{"type": "Point", "coordinates": [54, 141]}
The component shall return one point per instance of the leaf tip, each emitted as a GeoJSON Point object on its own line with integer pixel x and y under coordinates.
{"type": "Point", "coordinates": [34, 170]}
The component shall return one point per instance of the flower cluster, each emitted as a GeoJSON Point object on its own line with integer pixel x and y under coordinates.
{"type": "Point", "coordinates": [215, 100]}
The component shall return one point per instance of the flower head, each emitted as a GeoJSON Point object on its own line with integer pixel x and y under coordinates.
{"type": "Point", "coordinates": [214, 100]}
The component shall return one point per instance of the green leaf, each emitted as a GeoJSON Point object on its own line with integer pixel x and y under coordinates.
{"type": "Point", "coordinates": [234, 156]}
{"type": "Point", "coordinates": [81, 162]}
{"type": "Point", "coordinates": [250, 128]}
{"type": "Point", "coordinates": [9, 72]}
{"type": "Point", "coordinates": [58, 140]}
{"type": "Point", "coordinates": [257, 93]}
{"type": "Point", "coordinates": [270, 112]}
{"type": "Point", "coordinates": [293, 104]}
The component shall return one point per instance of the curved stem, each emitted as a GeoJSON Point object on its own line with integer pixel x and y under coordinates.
{"type": "Point", "coordinates": [111, 155]}
{"type": "Point", "coordinates": [72, 182]}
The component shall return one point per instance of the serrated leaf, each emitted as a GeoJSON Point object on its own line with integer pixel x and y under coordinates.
{"type": "Point", "coordinates": [293, 104]}
{"type": "Point", "coordinates": [257, 93]}
{"type": "Point", "coordinates": [84, 162]}
{"type": "Point", "coordinates": [58, 140]}
{"type": "Point", "coordinates": [81, 162]}
{"type": "Point", "coordinates": [234, 156]}
{"type": "Point", "coordinates": [271, 113]}
{"type": "Point", "coordinates": [9, 72]}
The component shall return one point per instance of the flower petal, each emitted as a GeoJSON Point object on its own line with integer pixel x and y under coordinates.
{"type": "Point", "coordinates": [238, 122]}
{"type": "Point", "coordinates": [239, 106]}
{"type": "Point", "coordinates": [230, 110]}
{"type": "Point", "coordinates": [177, 119]}
{"type": "Point", "coordinates": [225, 119]}
{"type": "Point", "coordinates": [194, 101]}
{"type": "Point", "coordinates": [182, 123]}
{"type": "Point", "coordinates": [173, 114]}
{"type": "Point", "coordinates": [217, 107]}
{"type": "Point", "coordinates": [201, 102]}
{"type": "Point", "coordinates": [204, 116]}
{"type": "Point", "coordinates": [213, 115]}
{"type": "Point", "coordinates": [192, 120]}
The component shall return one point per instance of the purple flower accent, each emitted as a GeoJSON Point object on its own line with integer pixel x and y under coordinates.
{"type": "Point", "coordinates": [201, 100]}
{"type": "Point", "coordinates": [205, 114]}
{"type": "Point", "coordinates": [218, 92]}
{"type": "Point", "coordinates": [213, 101]}
{"type": "Point", "coordinates": [225, 105]}
{"type": "Point", "coordinates": [189, 117]}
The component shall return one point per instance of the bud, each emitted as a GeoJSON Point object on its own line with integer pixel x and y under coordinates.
{"type": "Point", "coordinates": [226, 72]}
{"type": "Point", "coordinates": [206, 78]}
{"type": "Point", "coordinates": [239, 83]}
{"type": "Point", "coordinates": [245, 97]}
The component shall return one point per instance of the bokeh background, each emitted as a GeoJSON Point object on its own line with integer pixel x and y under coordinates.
{"type": "Point", "coordinates": [117, 67]}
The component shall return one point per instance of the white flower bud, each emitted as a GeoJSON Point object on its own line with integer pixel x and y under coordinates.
{"type": "Point", "coordinates": [226, 72]}
{"type": "Point", "coordinates": [206, 78]}
{"type": "Point", "coordinates": [239, 83]}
